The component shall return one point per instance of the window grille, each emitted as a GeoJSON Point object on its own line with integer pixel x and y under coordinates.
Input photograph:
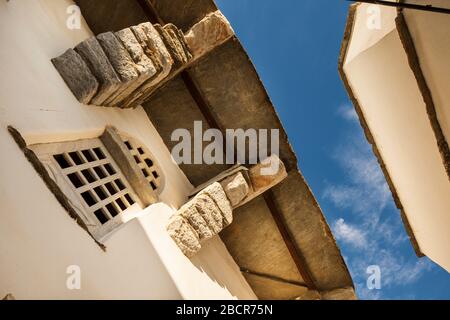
{"type": "Point", "coordinates": [145, 160]}
{"type": "Point", "coordinates": [88, 175]}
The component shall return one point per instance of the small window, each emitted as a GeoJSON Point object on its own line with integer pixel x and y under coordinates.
{"type": "Point", "coordinates": [76, 180]}
{"type": "Point", "coordinates": [100, 215]}
{"type": "Point", "coordinates": [129, 199]}
{"type": "Point", "coordinates": [145, 161]}
{"type": "Point", "coordinates": [128, 144]}
{"type": "Point", "coordinates": [90, 178]}
{"type": "Point", "coordinates": [62, 161]}
{"type": "Point", "coordinates": [95, 187]}
{"type": "Point", "coordinates": [99, 153]}
{"type": "Point", "coordinates": [88, 175]}
{"type": "Point", "coordinates": [88, 155]}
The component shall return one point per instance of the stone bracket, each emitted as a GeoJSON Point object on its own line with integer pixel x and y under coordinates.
{"type": "Point", "coordinates": [253, 180]}
{"type": "Point", "coordinates": [210, 208]}
{"type": "Point", "coordinates": [124, 68]}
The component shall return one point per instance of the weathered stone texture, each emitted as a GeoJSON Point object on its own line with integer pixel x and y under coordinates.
{"type": "Point", "coordinates": [347, 293]}
{"type": "Point", "coordinates": [193, 216]}
{"type": "Point", "coordinates": [216, 192]}
{"type": "Point", "coordinates": [208, 33]}
{"type": "Point", "coordinates": [210, 212]}
{"type": "Point", "coordinates": [236, 188]}
{"type": "Point", "coordinates": [118, 56]}
{"type": "Point", "coordinates": [131, 64]}
{"type": "Point", "coordinates": [92, 53]}
{"type": "Point", "coordinates": [180, 35]}
{"type": "Point", "coordinates": [207, 214]}
{"type": "Point", "coordinates": [148, 46]}
{"type": "Point", "coordinates": [144, 64]}
{"type": "Point", "coordinates": [267, 173]}
{"type": "Point", "coordinates": [122, 62]}
{"type": "Point", "coordinates": [173, 44]}
{"type": "Point", "coordinates": [77, 75]}
{"type": "Point", "coordinates": [184, 235]}
{"type": "Point", "coordinates": [147, 69]}
{"type": "Point", "coordinates": [153, 46]}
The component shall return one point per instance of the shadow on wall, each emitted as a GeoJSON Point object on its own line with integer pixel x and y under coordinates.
{"type": "Point", "coordinates": [209, 267]}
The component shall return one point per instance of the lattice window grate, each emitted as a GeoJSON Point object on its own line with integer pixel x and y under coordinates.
{"type": "Point", "coordinates": [95, 187]}
{"type": "Point", "coordinates": [144, 159]}
{"type": "Point", "coordinates": [91, 179]}
{"type": "Point", "coordinates": [97, 181]}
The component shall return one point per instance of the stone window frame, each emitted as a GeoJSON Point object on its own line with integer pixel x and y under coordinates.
{"type": "Point", "coordinates": [90, 165]}
{"type": "Point", "coordinates": [146, 162]}
{"type": "Point", "coordinates": [117, 164]}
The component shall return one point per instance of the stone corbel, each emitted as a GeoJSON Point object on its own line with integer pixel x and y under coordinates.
{"type": "Point", "coordinates": [124, 68]}
{"type": "Point", "coordinates": [210, 208]}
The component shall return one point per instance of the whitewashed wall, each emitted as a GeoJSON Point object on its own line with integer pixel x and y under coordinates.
{"type": "Point", "coordinates": [393, 106]}
{"type": "Point", "coordinates": [38, 239]}
{"type": "Point", "coordinates": [430, 33]}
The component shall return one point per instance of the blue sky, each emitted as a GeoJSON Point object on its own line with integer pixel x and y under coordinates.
{"type": "Point", "coordinates": [294, 45]}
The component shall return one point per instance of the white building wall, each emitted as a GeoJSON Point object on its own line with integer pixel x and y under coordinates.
{"type": "Point", "coordinates": [393, 106]}
{"type": "Point", "coordinates": [430, 33]}
{"type": "Point", "coordinates": [38, 239]}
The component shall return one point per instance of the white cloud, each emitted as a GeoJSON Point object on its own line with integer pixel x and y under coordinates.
{"type": "Point", "coordinates": [349, 234]}
{"type": "Point", "coordinates": [367, 191]}
{"type": "Point", "coordinates": [395, 271]}
{"type": "Point", "coordinates": [348, 112]}
{"type": "Point", "coordinates": [366, 294]}
{"type": "Point", "coordinates": [390, 230]}
{"type": "Point", "coordinates": [411, 272]}
{"type": "Point", "coordinates": [375, 237]}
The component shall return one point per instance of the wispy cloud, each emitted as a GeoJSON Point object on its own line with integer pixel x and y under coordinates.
{"type": "Point", "coordinates": [366, 294]}
{"type": "Point", "coordinates": [347, 112]}
{"type": "Point", "coordinates": [373, 237]}
{"type": "Point", "coordinates": [396, 271]}
{"type": "Point", "coordinates": [349, 234]}
{"type": "Point", "coordinates": [411, 272]}
{"type": "Point", "coordinates": [366, 189]}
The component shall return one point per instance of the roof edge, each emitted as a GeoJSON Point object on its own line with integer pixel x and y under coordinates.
{"type": "Point", "coordinates": [414, 64]}
{"type": "Point", "coordinates": [295, 250]}
{"type": "Point", "coordinates": [345, 45]}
